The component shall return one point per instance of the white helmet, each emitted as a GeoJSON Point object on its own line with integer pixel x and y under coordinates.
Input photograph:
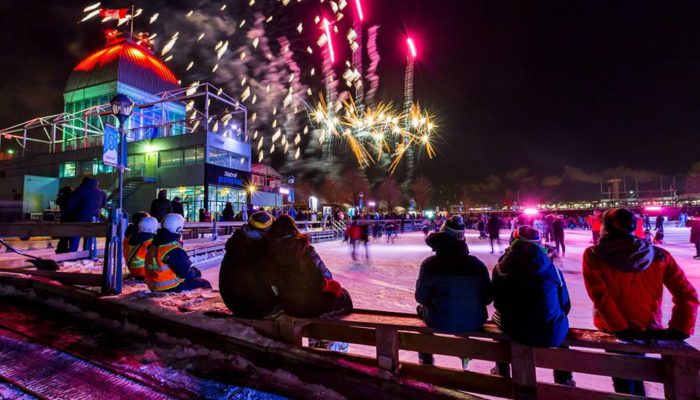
{"type": "Point", "coordinates": [173, 223]}
{"type": "Point", "coordinates": [148, 225]}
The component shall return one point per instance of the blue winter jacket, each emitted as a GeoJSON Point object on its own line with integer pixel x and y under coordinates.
{"type": "Point", "coordinates": [453, 287]}
{"type": "Point", "coordinates": [531, 297]}
{"type": "Point", "coordinates": [86, 201]}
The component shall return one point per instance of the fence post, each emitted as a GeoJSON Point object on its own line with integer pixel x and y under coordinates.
{"type": "Point", "coordinates": [524, 373]}
{"type": "Point", "coordinates": [289, 330]}
{"type": "Point", "coordinates": [387, 349]}
{"type": "Point", "coordinates": [214, 233]}
{"type": "Point", "coordinates": [680, 378]}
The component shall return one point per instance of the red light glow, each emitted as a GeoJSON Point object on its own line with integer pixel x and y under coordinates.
{"type": "Point", "coordinates": [131, 52]}
{"type": "Point", "coordinates": [360, 13]}
{"type": "Point", "coordinates": [412, 47]}
{"type": "Point", "coordinates": [327, 28]}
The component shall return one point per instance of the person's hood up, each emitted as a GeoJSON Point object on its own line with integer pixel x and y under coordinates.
{"type": "Point", "coordinates": [626, 253]}
{"type": "Point", "coordinates": [89, 183]}
{"type": "Point", "coordinates": [165, 236]}
{"type": "Point", "coordinates": [442, 243]}
{"type": "Point", "coordinates": [162, 195]}
{"type": "Point", "coordinates": [524, 258]}
{"type": "Point", "coordinates": [283, 227]}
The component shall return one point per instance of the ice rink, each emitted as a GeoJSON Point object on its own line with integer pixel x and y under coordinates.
{"type": "Point", "coordinates": [386, 281]}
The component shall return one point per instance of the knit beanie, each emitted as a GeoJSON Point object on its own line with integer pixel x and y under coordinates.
{"type": "Point", "coordinates": [619, 220]}
{"type": "Point", "coordinates": [260, 220]}
{"type": "Point", "coordinates": [528, 234]}
{"type": "Point", "coordinates": [454, 227]}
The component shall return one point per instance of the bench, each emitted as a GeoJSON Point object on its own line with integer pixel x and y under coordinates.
{"type": "Point", "coordinates": [674, 364]}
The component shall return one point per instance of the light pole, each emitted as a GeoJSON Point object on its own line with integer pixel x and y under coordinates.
{"type": "Point", "coordinates": [122, 106]}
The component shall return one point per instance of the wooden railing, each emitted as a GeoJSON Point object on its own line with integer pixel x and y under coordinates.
{"type": "Point", "coordinates": [672, 363]}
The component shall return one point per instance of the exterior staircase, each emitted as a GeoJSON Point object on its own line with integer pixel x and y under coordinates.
{"type": "Point", "coordinates": [131, 185]}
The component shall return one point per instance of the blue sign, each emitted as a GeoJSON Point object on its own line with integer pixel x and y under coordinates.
{"type": "Point", "coordinates": [110, 148]}
{"type": "Point", "coordinates": [222, 176]}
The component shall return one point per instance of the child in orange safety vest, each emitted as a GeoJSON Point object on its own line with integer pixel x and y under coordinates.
{"type": "Point", "coordinates": [136, 246]}
{"type": "Point", "coordinates": [168, 267]}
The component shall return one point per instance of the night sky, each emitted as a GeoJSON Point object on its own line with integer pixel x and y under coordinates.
{"type": "Point", "coordinates": [543, 98]}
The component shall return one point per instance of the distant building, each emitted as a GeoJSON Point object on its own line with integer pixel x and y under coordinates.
{"type": "Point", "coordinates": [192, 141]}
{"type": "Point", "coordinates": [269, 191]}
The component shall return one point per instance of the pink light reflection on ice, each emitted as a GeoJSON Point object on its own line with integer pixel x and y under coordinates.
{"type": "Point", "coordinates": [530, 211]}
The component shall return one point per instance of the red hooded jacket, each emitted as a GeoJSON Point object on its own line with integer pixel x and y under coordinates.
{"type": "Point", "coordinates": [625, 278]}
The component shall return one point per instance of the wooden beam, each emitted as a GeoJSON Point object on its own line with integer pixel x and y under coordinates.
{"type": "Point", "coordinates": [459, 380]}
{"type": "Point", "coordinates": [606, 364]}
{"type": "Point", "coordinates": [22, 261]}
{"type": "Point", "coordinates": [350, 334]}
{"type": "Point", "coordinates": [524, 373]}
{"type": "Point", "coordinates": [458, 347]}
{"type": "Point", "coordinates": [549, 391]}
{"type": "Point", "coordinates": [681, 378]}
{"type": "Point", "coordinates": [387, 349]}
{"type": "Point", "coordinates": [53, 229]}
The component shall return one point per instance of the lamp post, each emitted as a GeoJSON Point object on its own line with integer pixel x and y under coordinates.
{"type": "Point", "coordinates": [122, 106]}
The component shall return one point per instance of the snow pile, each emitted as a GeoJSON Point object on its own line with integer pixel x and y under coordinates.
{"type": "Point", "coordinates": [85, 266]}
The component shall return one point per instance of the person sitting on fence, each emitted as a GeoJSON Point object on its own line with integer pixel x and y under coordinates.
{"type": "Point", "coordinates": [168, 267]}
{"type": "Point", "coordinates": [305, 285]}
{"type": "Point", "coordinates": [453, 287]}
{"type": "Point", "coordinates": [242, 284]}
{"type": "Point", "coordinates": [531, 298]}
{"type": "Point", "coordinates": [136, 245]}
{"type": "Point", "coordinates": [625, 277]}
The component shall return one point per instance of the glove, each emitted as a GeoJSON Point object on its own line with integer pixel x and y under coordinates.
{"type": "Point", "coordinates": [667, 334]}
{"type": "Point", "coordinates": [627, 334]}
{"type": "Point", "coordinates": [331, 286]}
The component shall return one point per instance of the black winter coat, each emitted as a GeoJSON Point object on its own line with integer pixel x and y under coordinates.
{"type": "Point", "coordinates": [246, 291]}
{"type": "Point", "coordinates": [531, 296]}
{"type": "Point", "coordinates": [453, 287]}
{"type": "Point", "coordinates": [86, 202]}
{"type": "Point", "coordinates": [160, 207]}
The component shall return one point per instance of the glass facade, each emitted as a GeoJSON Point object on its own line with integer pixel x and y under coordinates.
{"type": "Point", "coordinates": [175, 157]}
{"type": "Point", "coordinates": [192, 198]}
{"type": "Point", "coordinates": [226, 158]}
{"type": "Point", "coordinates": [72, 169]}
{"type": "Point", "coordinates": [220, 195]}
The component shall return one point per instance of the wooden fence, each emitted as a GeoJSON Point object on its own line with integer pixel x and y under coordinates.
{"type": "Point", "coordinates": [672, 363]}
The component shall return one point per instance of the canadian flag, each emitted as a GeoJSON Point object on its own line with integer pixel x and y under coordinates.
{"type": "Point", "coordinates": [116, 13]}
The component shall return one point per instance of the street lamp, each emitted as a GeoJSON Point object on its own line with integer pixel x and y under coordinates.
{"type": "Point", "coordinates": [122, 107]}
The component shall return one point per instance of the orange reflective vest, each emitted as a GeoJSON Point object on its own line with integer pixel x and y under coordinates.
{"type": "Point", "coordinates": [159, 276]}
{"type": "Point", "coordinates": [136, 258]}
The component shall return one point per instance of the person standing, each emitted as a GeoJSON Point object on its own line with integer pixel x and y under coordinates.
{"type": "Point", "coordinates": [84, 205]}
{"type": "Point", "coordinates": [595, 226]}
{"type": "Point", "coordinates": [161, 206]}
{"type": "Point", "coordinates": [647, 222]}
{"type": "Point", "coordinates": [227, 214]}
{"type": "Point", "coordinates": [660, 223]}
{"type": "Point", "coordinates": [177, 206]}
{"type": "Point", "coordinates": [694, 224]}
{"type": "Point", "coordinates": [494, 228]}
{"type": "Point", "coordinates": [625, 278]}
{"type": "Point", "coordinates": [453, 287]}
{"type": "Point", "coordinates": [558, 226]}
{"type": "Point", "coordinates": [62, 199]}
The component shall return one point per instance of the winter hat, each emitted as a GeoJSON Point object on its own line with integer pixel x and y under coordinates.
{"type": "Point", "coordinates": [260, 220]}
{"type": "Point", "coordinates": [619, 220]}
{"type": "Point", "coordinates": [527, 233]}
{"type": "Point", "coordinates": [454, 227]}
